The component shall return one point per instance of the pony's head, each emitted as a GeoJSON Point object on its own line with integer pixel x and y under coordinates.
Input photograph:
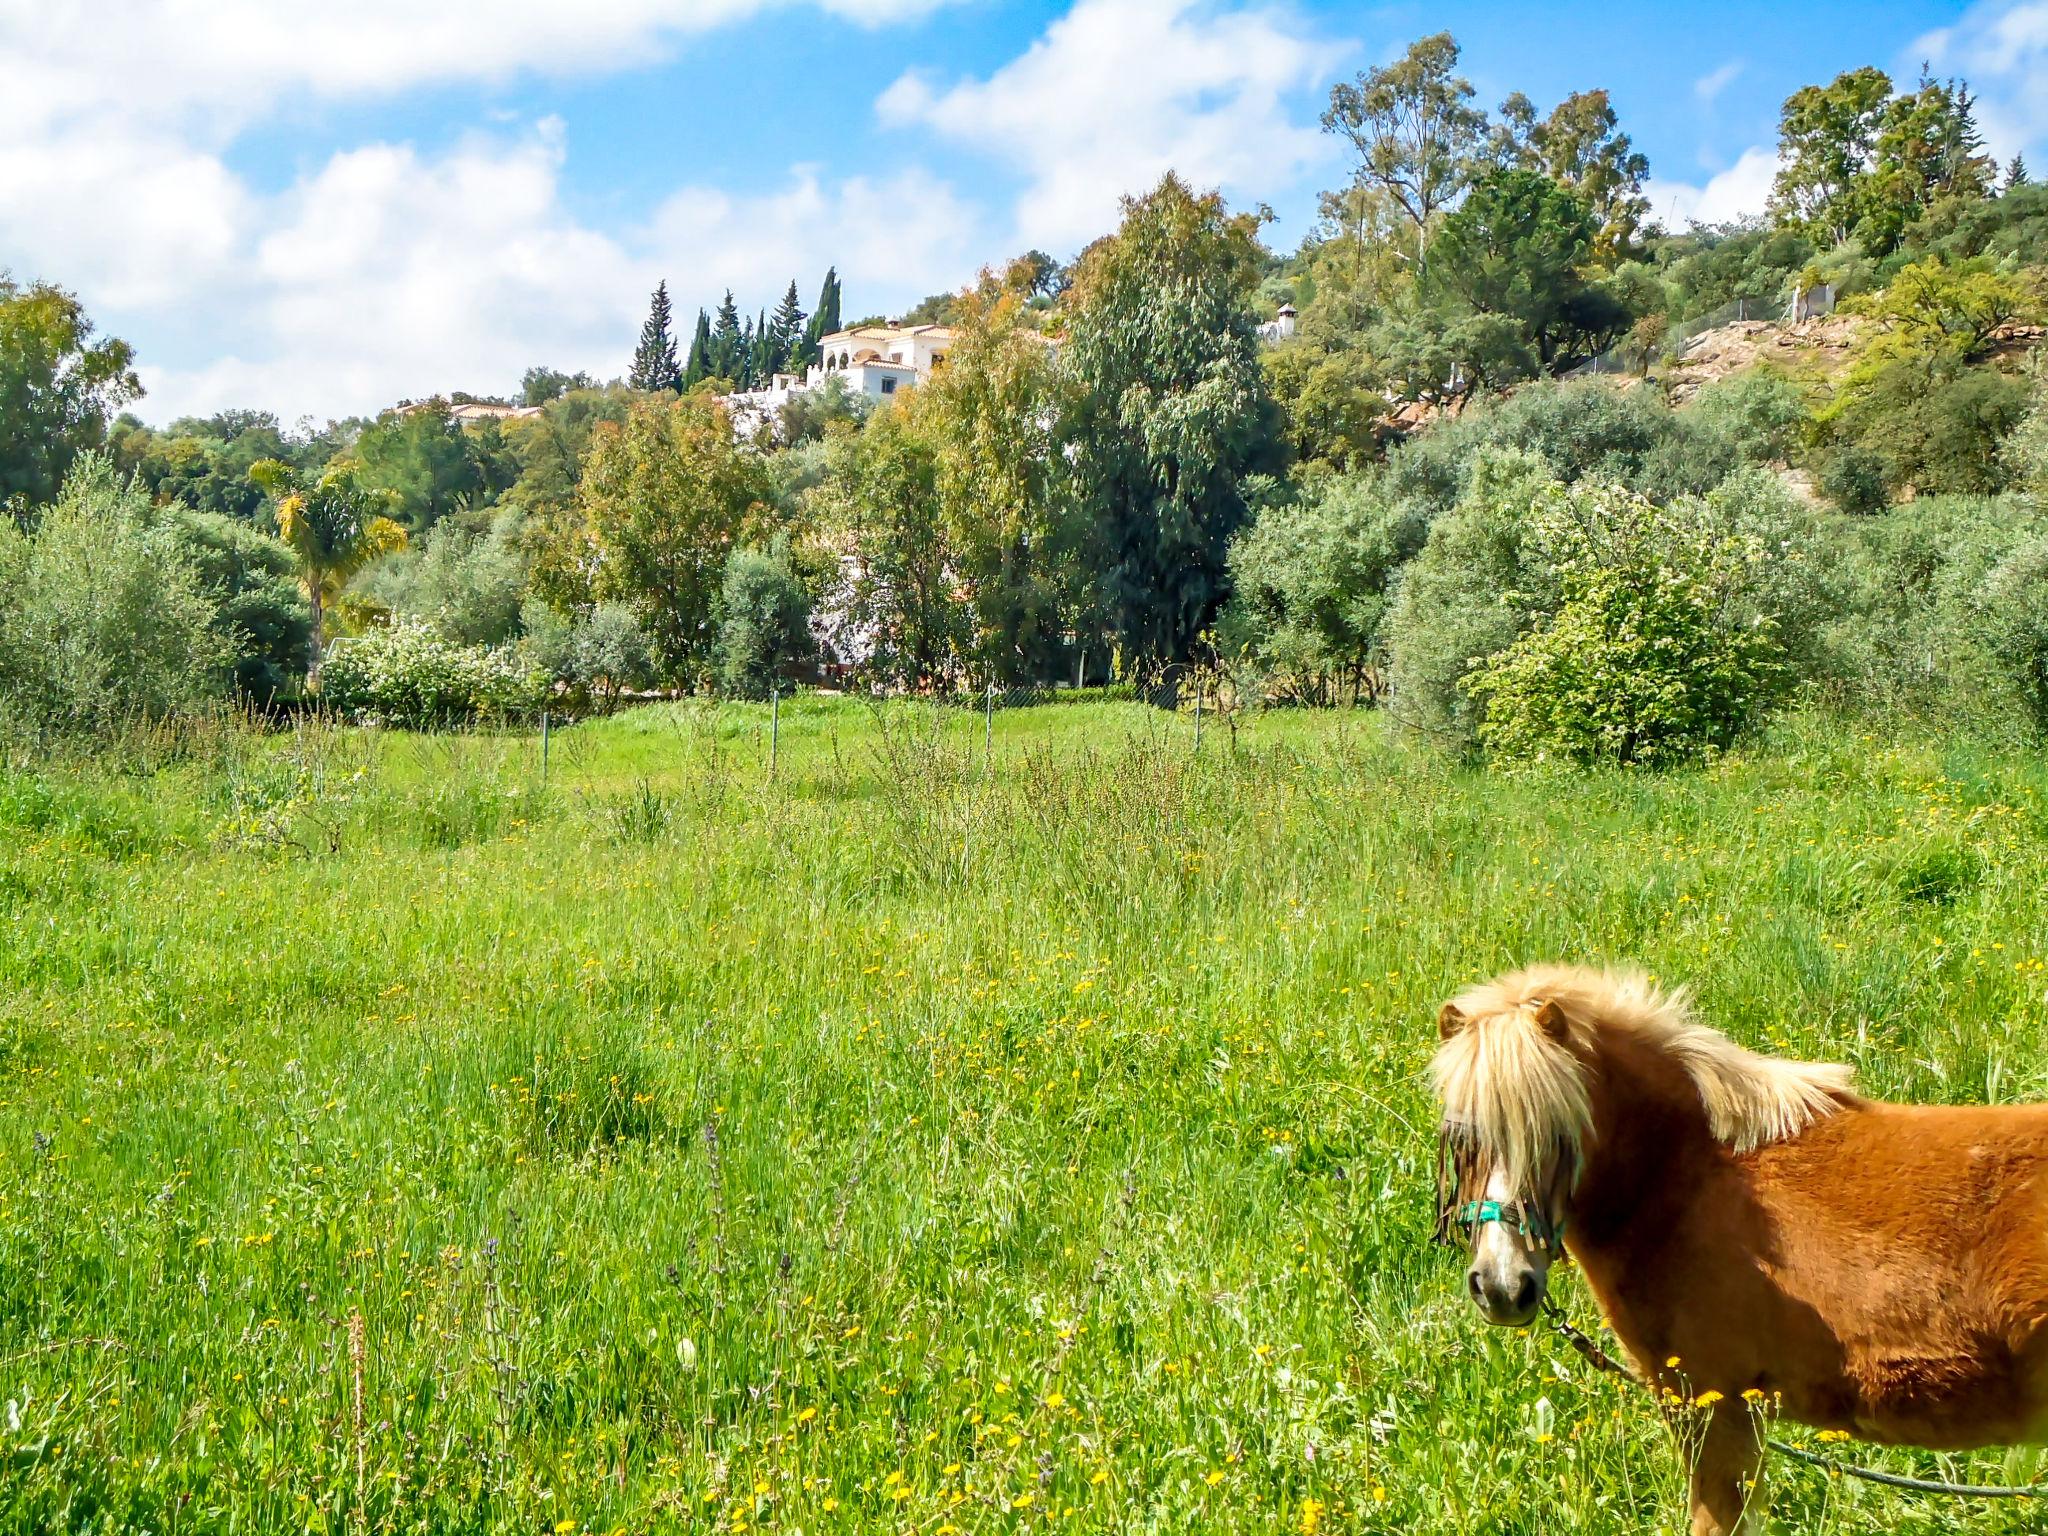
{"type": "Point", "coordinates": [1514, 1071]}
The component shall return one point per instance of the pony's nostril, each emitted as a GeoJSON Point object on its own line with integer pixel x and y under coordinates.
{"type": "Point", "coordinates": [1525, 1293]}
{"type": "Point", "coordinates": [1472, 1285]}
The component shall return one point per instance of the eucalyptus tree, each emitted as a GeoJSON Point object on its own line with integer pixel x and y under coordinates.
{"type": "Point", "coordinates": [1167, 413]}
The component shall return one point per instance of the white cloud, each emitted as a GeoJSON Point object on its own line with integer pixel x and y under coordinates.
{"type": "Point", "coordinates": [1709, 86]}
{"type": "Point", "coordinates": [230, 61]}
{"type": "Point", "coordinates": [1740, 190]}
{"type": "Point", "coordinates": [1117, 92]}
{"type": "Point", "coordinates": [387, 274]}
{"type": "Point", "coordinates": [2001, 47]}
{"type": "Point", "coordinates": [389, 270]}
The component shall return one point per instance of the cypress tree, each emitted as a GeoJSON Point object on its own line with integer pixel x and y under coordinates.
{"type": "Point", "coordinates": [698, 368]}
{"type": "Point", "coordinates": [2015, 173]}
{"type": "Point", "coordinates": [654, 360]}
{"type": "Point", "coordinates": [763, 351]}
{"type": "Point", "coordinates": [826, 320]}
{"type": "Point", "coordinates": [788, 329]}
{"type": "Point", "coordinates": [725, 340]}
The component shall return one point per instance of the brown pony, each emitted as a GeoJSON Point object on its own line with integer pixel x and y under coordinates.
{"type": "Point", "coordinates": [1748, 1225]}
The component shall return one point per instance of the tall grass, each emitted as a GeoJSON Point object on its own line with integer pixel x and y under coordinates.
{"type": "Point", "coordinates": [918, 1139]}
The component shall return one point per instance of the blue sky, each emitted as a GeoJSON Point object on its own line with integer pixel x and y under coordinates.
{"type": "Point", "coordinates": [321, 211]}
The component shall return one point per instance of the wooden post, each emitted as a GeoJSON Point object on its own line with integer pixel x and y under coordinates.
{"type": "Point", "coordinates": [774, 723]}
{"type": "Point", "coordinates": [988, 730]}
{"type": "Point", "coordinates": [543, 748]}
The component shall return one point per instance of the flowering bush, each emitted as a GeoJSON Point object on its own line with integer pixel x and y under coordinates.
{"type": "Point", "coordinates": [407, 675]}
{"type": "Point", "coordinates": [1657, 648]}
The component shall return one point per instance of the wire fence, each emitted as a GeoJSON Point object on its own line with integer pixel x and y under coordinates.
{"type": "Point", "coordinates": [1635, 355]}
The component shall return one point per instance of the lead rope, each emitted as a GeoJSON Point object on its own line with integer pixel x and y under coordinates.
{"type": "Point", "coordinates": [1600, 1360]}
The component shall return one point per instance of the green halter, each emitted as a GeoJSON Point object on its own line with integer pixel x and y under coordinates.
{"type": "Point", "coordinates": [1477, 1213]}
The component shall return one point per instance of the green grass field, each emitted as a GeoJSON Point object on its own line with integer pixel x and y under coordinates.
{"type": "Point", "coordinates": [917, 1142]}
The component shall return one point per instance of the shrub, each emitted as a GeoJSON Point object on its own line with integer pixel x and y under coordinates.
{"type": "Point", "coordinates": [260, 611]}
{"type": "Point", "coordinates": [1656, 651]}
{"type": "Point", "coordinates": [597, 656]}
{"type": "Point", "coordinates": [2025, 453]}
{"type": "Point", "coordinates": [1310, 586]}
{"type": "Point", "coordinates": [407, 675]}
{"type": "Point", "coordinates": [1760, 412]}
{"type": "Point", "coordinates": [1587, 429]}
{"type": "Point", "coordinates": [1854, 479]}
{"type": "Point", "coordinates": [2010, 626]}
{"type": "Point", "coordinates": [764, 622]}
{"type": "Point", "coordinates": [1523, 556]}
{"type": "Point", "coordinates": [1635, 668]}
{"type": "Point", "coordinates": [467, 578]}
{"type": "Point", "coordinates": [1448, 611]}
{"type": "Point", "coordinates": [1908, 624]}
{"type": "Point", "coordinates": [103, 619]}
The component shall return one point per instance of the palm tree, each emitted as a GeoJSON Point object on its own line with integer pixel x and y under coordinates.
{"type": "Point", "coordinates": [336, 530]}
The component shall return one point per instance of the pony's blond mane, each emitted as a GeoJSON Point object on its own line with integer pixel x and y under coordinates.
{"type": "Point", "coordinates": [1505, 1081]}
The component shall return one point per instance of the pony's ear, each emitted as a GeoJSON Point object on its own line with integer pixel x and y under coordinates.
{"type": "Point", "coordinates": [1449, 1021]}
{"type": "Point", "coordinates": [1551, 1020]}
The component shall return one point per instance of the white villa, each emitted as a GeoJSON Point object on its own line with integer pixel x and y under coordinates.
{"type": "Point", "coordinates": [875, 360]}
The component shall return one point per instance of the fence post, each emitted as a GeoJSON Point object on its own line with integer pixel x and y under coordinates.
{"type": "Point", "coordinates": [988, 731]}
{"type": "Point", "coordinates": [1198, 714]}
{"type": "Point", "coordinates": [543, 749]}
{"type": "Point", "coordinates": [1081, 668]}
{"type": "Point", "coordinates": [774, 723]}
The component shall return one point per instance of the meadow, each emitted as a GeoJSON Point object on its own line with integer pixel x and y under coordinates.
{"type": "Point", "coordinates": [928, 1138]}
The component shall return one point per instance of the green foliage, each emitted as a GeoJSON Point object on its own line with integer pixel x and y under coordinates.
{"type": "Point", "coordinates": [899, 598]}
{"type": "Point", "coordinates": [1761, 413]}
{"type": "Point", "coordinates": [2010, 625]}
{"type": "Point", "coordinates": [1581, 146]}
{"type": "Point", "coordinates": [58, 387]}
{"type": "Point", "coordinates": [1412, 126]}
{"type": "Point", "coordinates": [260, 612]}
{"type": "Point", "coordinates": [1521, 547]}
{"type": "Point", "coordinates": [1650, 656]}
{"type": "Point", "coordinates": [467, 578]}
{"type": "Point", "coordinates": [335, 529]}
{"type": "Point", "coordinates": [665, 497]}
{"type": "Point", "coordinates": [427, 465]}
{"type": "Point", "coordinates": [407, 675]}
{"type": "Point", "coordinates": [1167, 413]}
{"type": "Point", "coordinates": [1515, 249]}
{"type": "Point", "coordinates": [990, 413]}
{"type": "Point", "coordinates": [1827, 136]}
{"type": "Point", "coordinates": [1310, 580]}
{"type": "Point", "coordinates": [205, 464]}
{"type": "Point", "coordinates": [764, 622]}
{"type": "Point", "coordinates": [104, 620]}
{"type": "Point", "coordinates": [596, 655]}
{"type": "Point", "coordinates": [1855, 479]}
{"type": "Point", "coordinates": [2025, 452]}
{"type": "Point", "coordinates": [540, 385]}
{"type": "Point", "coordinates": [806, 417]}
{"type": "Point", "coordinates": [1449, 611]}
{"type": "Point", "coordinates": [1705, 269]}
{"type": "Point", "coordinates": [655, 367]}
{"type": "Point", "coordinates": [1331, 399]}
{"type": "Point", "coordinates": [1580, 430]}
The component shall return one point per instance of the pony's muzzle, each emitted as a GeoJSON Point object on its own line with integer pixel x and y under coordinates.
{"type": "Point", "coordinates": [1506, 1295]}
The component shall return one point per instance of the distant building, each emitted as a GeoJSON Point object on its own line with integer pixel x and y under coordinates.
{"type": "Point", "coordinates": [874, 360]}
{"type": "Point", "coordinates": [474, 413]}
{"type": "Point", "coordinates": [1280, 327]}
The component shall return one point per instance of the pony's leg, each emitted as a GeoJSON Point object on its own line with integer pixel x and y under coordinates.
{"type": "Point", "coordinates": [1728, 1496]}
